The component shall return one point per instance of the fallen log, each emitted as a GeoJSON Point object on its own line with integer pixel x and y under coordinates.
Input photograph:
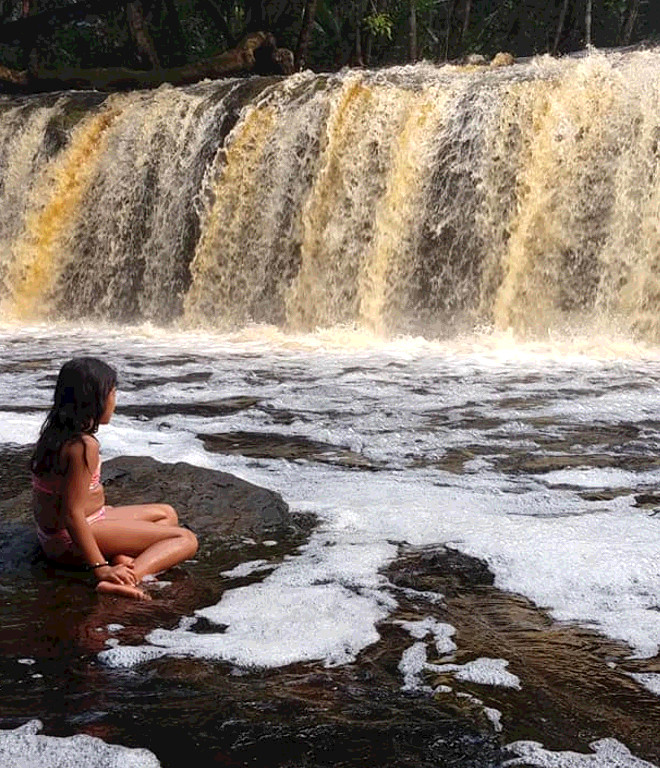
{"type": "Point", "coordinates": [257, 53]}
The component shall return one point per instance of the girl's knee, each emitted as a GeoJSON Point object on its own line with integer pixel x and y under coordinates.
{"type": "Point", "coordinates": [194, 544]}
{"type": "Point", "coordinates": [190, 543]}
{"type": "Point", "coordinates": [170, 516]}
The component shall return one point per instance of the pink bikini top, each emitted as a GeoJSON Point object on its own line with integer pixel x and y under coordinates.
{"type": "Point", "coordinates": [52, 485]}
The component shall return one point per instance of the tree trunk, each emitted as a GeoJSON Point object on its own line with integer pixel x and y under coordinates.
{"type": "Point", "coordinates": [413, 30]}
{"type": "Point", "coordinates": [631, 20]}
{"type": "Point", "coordinates": [219, 20]}
{"type": "Point", "coordinates": [450, 21]}
{"type": "Point", "coordinates": [587, 22]}
{"type": "Point", "coordinates": [177, 38]}
{"type": "Point", "coordinates": [466, 19]}
{"type": "Point", "coordinates": [256, 53]}
{"type": "Point", "coordinates": [254, 13]}
{"type": "Point", "coordinates": [309, 16]}
{"type": "Point", "coordinates": [358, 60]}
{"type": "Point", "coordinates": [560, 26]}
{"type": "Point", "coordinates": [13, 81]}
{"type": "Point", "coordinates": [140, 34]}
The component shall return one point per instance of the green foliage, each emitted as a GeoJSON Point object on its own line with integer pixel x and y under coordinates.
{"type": "Point", "coordinates": [345, 31]}
{"type": "Point", "coordinates": [615, 6]}
{"type": "Point", "coordinates": [380, 25]}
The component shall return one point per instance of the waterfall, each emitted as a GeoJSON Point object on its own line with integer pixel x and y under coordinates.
{"type": "Point", "coordinates": [414, 199]}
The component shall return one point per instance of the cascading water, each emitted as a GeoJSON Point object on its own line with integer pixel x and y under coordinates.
{"type": "Point", "coordinates": [477, 498]}
{"type": "Point", "coordinates": [417, 198]}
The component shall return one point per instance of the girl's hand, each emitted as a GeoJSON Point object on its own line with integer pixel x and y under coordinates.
{"type": "Point", "coordinates": [117, 574]}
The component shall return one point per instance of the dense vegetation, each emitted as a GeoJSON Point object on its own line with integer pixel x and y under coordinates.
{"type": "Point", "coordinates": [325, 34]}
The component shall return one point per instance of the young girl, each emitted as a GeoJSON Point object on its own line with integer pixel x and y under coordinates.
{"type": "Point", "coordinates": [120, 545]}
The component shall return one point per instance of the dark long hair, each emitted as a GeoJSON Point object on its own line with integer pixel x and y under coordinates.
{"type": "Point", "coordinates": [81, 392]}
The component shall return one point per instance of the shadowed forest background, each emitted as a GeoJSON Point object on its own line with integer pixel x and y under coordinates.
{"type": "Point", "coordinates": [38, 35]}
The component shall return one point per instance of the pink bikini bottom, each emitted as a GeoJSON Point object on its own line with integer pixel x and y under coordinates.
{"type": "Point", "coordinates": [55, 544]}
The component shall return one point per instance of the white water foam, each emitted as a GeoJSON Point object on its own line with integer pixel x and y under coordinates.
{"type": "Point", "coordinates": [441, 632]}
{"type": "Point", "coordinates": [608, 753]}
{"type": "Point", "coordinates": [248, 568]}
{"type": "Point", "coordinates": [411, 666]}
{"type": "Point", "coordinates": [483, 671]}
{"type": "Point", "coordinates": [650, 680]}
{"type": "Point", "coordinates": [23, 747]}
{"type": "Point", "coordinates": [495, 717]}
{"type": "Point", "coordinates": [404, 405]}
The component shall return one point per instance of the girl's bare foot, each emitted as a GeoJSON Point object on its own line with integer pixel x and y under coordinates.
{"type": "Point", "coordinates": [121, 590]}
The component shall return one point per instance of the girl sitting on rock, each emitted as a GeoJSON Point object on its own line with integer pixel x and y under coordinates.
{"type": "Point", "coordinates": [120, 545]}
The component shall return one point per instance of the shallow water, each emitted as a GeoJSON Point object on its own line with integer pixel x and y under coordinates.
{"type": "Point", "coordinates": [539, 460]}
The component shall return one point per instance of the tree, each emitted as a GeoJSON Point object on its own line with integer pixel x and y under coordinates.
{"type": "Point", "coordinates": [309, 15]}
{"type": "Point", "coordinates": [140, 33]}
{"type": "Point", "coordinates": [254, 51]}
{"type": "Point", "coordinates": [413, 30]}
{"type": "Point", "coordinates": [629, 27]}
{"type": "Point", "coordinates": [560, 26]}
{"type": "Point", "coordinates": [325, 34]}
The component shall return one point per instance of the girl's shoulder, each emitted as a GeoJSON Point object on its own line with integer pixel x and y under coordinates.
{"type": "Point", "coordinates": [82, 448]}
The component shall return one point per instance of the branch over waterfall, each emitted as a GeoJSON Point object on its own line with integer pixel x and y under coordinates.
{"type": "Point", "coordinates": [257, 53]}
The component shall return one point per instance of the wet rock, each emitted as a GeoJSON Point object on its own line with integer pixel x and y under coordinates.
{"type": "Point", "coordinates": [647, 500]}
{"type": "Point", "coordinates": [574, 683]}
{"type": "Point", "coordinates": [18, 544]}
{"type": "Point", "coordinates": [420, 570]}
{"type": "Point", "coordinates": [216, 505]}
{"type": "Point", "coordinates": [14, 471]}
{"type": "Point", "coordinates": [266, 445]}
{"type": "Point", "coordinates": [19, 549]}
{"type": "Point", "coordinates": [503, 59]}
{"type": "Point", "coordinates": [524, 463]}
{"type": "Point", "coordinates": [204, 408]}
{"type": "Point", "coordinates": [145, 382]}
{"type": "Point", "coordinates": [475, 59]}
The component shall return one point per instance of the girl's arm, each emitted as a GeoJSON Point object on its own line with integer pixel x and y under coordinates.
{"type": "Point", "coordinates": [75, 496]}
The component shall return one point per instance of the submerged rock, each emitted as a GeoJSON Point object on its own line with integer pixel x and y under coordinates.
{"type": "Point", "coordinates": [270, 445]}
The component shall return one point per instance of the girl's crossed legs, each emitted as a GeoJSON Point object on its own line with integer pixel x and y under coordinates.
{"type": "Point", "coordinates": [144, 536]}
{"type": "Point", "coordinates": [163, 514]}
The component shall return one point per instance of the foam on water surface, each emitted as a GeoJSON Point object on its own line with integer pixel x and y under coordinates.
{"type": "Point", "coordinates": [650, 680]}
{"type": "Point", "coordinates": [441, 633]}
{"type": "Point", "coordinates": [406, 405]}
{"type": "Point", "coordinates": [483, 671]}
{"type": "Point", "coordinates": [411, 666]}
{"type": "Point", "coordinates": [608, 753]}
{"type": "Point", "coordinates": [246, 569]}
{"type": "Point", "coordinates": [24, 747]}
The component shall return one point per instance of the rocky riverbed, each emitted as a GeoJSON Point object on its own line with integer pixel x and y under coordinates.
{"type": "Point", "coordinates": [54, 626]}
{"type": "Point", "coordinates": [458, 671]}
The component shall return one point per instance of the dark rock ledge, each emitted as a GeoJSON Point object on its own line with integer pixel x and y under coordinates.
{"type": "Point", "coordinates": [223, 510]}
{"type": "Point", "coordinates": [52, 626]}
{"type": "Point", "coordinates": [216, 505]}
